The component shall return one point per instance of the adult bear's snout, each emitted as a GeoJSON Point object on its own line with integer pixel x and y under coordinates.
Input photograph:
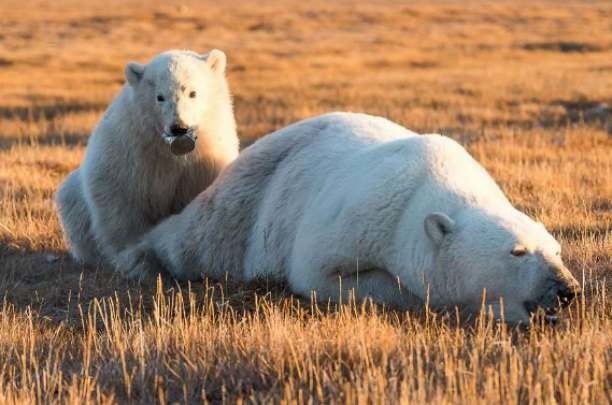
{"type": "Point", "coordinates": [567, 290]}
{"type": "Point", "coordinates": [560, 290]}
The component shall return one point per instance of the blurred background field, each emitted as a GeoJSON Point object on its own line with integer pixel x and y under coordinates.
{"type": "Point", "coordinates": [526, 86]}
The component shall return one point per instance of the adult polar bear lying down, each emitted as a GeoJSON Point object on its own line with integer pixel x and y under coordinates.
{"type": "Point", "coordinates": [350, 201]}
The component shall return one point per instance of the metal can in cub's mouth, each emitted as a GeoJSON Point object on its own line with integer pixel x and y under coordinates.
{"type": "Point", "coordinates": [181, 145]}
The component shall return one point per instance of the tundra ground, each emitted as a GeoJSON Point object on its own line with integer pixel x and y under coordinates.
{"type": "Point", "coordinates": [527, 87]}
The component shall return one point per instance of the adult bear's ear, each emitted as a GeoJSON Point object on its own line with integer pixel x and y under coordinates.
{"type": "Point", "coordinates": [437, 226]}
{"type": "Point", "coordinates": [134, 72]}
{"type": "Point", "coordinates": [217, 60]}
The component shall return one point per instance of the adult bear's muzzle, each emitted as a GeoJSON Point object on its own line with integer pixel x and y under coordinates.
{"type": "Point", "coordinates": [559, 292]}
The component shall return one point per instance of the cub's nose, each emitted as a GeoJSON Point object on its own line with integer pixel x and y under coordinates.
{"type": "Point", "coordinates": [567, 292]}
{"type": "Point", "coordinates": [178, 130]}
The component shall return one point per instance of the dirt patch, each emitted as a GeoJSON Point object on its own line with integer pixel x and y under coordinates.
{"type": "Point", "coordinates": [562, 46]}
{"type": "Point", "coordinates": [262, 26]}
{"type": "Point", "coordinates": [563, 112]}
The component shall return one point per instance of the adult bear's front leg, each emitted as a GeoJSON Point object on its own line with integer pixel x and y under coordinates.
{"type": "Point", "coordinates": [339, 281]}
{"type": "Point", "coordinates": [172, 248]}
{"type": "Point", "coordinates": [139, 262]}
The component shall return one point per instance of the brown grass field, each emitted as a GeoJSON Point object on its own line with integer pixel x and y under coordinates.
{"type": "Point", "coordinates": [527, 87]}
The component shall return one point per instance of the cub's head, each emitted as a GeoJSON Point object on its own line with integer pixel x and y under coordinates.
{"type": "Point", "coordinates": [508, 255]}
{"type": "Point", "coordinates": [177, 88]}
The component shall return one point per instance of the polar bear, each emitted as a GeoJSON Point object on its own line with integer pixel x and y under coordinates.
{"type": "Point", "coordinates": [347, 202]}
{"type": "Point", "coordinates": [138, 166]}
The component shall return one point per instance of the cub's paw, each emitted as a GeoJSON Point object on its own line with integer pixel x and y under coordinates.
{"type": "Point", "coordinates": [139, 263]}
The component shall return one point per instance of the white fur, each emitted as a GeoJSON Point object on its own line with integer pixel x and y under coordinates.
{"type": "Point", "coordinates": [129, 179]}
{"type": "Point", "coordinates": [350, 201]}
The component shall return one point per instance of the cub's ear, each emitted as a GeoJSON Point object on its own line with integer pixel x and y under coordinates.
{"type": "Point", "coordinates": [134, 72]}
{"type": "Point", "coordinates": [217, 60]}
{"type": "Point", "coordinates": [437, 226]}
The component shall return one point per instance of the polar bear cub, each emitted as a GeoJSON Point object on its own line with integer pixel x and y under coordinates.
{"type": "Point", "coordinates": [163, 139]}
{"type": "Point", "coordinates": [348, 202]}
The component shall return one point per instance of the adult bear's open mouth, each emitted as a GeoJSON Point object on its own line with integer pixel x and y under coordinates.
{"type": "Point", "coordinates": [559, 295]}
{"type": "Point", "coordinates": [550, 314]}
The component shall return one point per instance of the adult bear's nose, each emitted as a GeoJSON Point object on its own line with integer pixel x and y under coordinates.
{"type": "Point", "coordinates": [178, 130]}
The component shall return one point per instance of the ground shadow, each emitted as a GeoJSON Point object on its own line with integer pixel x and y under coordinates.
{"type": "Point", "coordinates": [50, 139]}
{"type": "Point", "coordinates": [58, 289]}
{"type": "Point", "coordinates": [48, 111]}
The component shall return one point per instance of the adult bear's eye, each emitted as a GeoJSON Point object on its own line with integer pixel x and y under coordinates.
{"type": "Point", "coordinates": [519, 251]}
{"type": "Point", "coordinates": [192, 94]}
{"type": "Point", "coordinates": [160, 98]}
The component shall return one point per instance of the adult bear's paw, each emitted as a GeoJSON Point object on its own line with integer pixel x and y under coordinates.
{"type": "Point", "coordinates": [139, 263]}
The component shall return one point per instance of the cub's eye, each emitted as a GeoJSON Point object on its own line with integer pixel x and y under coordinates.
{"type": "Point", "coordinates": [192, 94]}
{"type": "Point", "coordinates": [519, 251]}
{"type": "Point", "coordinates": [160, 98]}
{"type": "Point", "coordinates": [558, 253]}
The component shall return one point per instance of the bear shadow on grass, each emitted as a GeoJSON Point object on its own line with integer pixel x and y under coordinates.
{"type": "Point", "coordinates": [56, 289]}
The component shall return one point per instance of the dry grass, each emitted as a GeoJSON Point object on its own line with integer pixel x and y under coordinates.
{"type": "Point", "coordinates": [522, 85]}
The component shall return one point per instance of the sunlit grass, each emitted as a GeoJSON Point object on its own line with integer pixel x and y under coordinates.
{"type": "Point", "coordinates": [524, 86]}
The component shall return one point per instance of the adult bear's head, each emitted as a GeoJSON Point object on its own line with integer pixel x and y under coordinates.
{"type": "Point", "coordinates": [508, 255]}
{"type": "Point", "coordinates": [175, 90]}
